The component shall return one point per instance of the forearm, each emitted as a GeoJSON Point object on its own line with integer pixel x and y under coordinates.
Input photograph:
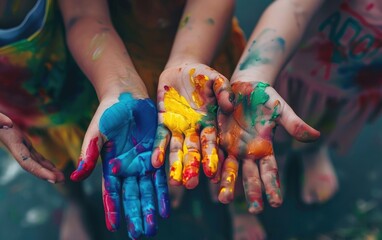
{"type": "Point", "coordinates": [274, 39]}
{"type": "Point", "coordinates": [101, 54]}
{"type": "Point", "coordinates": [201, 29]}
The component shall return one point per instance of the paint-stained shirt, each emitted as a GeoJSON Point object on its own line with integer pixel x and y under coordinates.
{"type": "Point", "coordinates": [36, 89]}
{"type": "Point", "coordinates": [343, 47]}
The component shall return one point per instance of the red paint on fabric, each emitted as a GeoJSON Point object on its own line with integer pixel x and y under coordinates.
{"type": "Point", "coordinates": [12, 93]}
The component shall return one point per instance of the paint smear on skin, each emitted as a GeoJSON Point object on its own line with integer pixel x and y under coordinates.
{"type": "Point", "coordinates": [199, 82]}
{"type": "Point", "coordinates": [263, 49]}
{"type": "Point", "coordinates": [191, 157]}
{"type": "Point", "coordinates": [210, 159]}
{"type": "Point", "coordinates": [259, 148]}
{"type": "Point", "coordinates": [176, 169]}
{"type": "Point", "coordinates": [229, 177]}
{"type": "Point", "coordinates": [210, 21]}
{"type": "Point", "coordinates": [184, 22]}
{"type": "Point", "coordinates": [86, 163]}
{"type": "Point", "coordinates": [179, 116]}
{"type": "Point", "coordinates": [97, 45]}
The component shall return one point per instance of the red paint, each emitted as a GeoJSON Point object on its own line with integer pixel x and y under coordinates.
{"type": "Point", "coordinates": [345, 7]}
{"type": "Point", "coordinates": [87, 163]}
{"type": "Point", "coordinates": [115, 166]}
{"type": "Point", "coordinates": [111, 212]}
{"type": "Point", "coordinates": [12, 93]}
{"type": "Point", "coordinates": [369, 6]}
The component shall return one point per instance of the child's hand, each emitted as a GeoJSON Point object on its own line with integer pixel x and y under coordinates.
{"type": "Point", "coordinates": [246, 135]}
{"type": "Point", "coordinates": [124, 131]}
{"type": "Point", "coordinates": [28, 158]}
{"type": "Point", "coordinates": [187, 102]}
{"type": "Point", "coordinates": [5, 122]}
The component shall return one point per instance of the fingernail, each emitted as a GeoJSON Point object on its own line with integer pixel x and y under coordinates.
{"type": "Point", "coordinates": [51, 181]}
{"type": "Point", "coordinates": [4, 127]}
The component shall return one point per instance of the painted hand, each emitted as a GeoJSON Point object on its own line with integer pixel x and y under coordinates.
{"type": "Point", "coordinates": [124, 130]}
{"type": "Point", "coordinates": [188, 97]}
{"type": "Point", "coordinates": [246, 135]}
{"type": "Point", "coordinates": [28, 158]}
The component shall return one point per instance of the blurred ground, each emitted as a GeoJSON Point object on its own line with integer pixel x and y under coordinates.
{"type": "Point", "coordinates": [32, 209]}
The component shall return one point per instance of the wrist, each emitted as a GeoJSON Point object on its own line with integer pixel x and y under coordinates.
{"type": "Point", "coordinates": [114, 87]}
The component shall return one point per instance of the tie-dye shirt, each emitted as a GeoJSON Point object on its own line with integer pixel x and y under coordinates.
{"type": "Point", "coordinates": [36, 88]}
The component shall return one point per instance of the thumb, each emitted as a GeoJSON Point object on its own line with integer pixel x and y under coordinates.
{"type": "Point", "coordinates": [296, 127]}
{"type": "Point", "coordinates": [223, 94]}
{"type": "Point", "coordinates": [88, 158]}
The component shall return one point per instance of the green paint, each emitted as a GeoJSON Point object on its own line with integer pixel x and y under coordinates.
{"type": "Point", "coordinates": [184, 22]}
{"type": "Point", "coordinates": [210, 21]}
{"type": "Point", "coordinates": [275, 113]}
{"type": "Point", "coordinates": [263, 49]}
{"type": "Point", "coordinates": [258, 95]}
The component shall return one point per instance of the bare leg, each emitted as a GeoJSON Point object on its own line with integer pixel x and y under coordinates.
{"type": "Point", "coordinates": [246, 226]}
{"type": "Point", "coordinates": [73, 224]}
{"type": "Point", "coordinates": [319, 178]}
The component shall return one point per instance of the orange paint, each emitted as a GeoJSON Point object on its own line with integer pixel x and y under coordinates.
{"type": "Point", "coordinates": [260, 148]}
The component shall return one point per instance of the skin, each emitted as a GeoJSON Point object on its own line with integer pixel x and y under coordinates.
{"type": "Point", "coordinates": [125, 139]}
{"type": "Point", "coordinates": [123, 127]}
{"type": "Point", "coordinates": [187, 123]}
{"type": "Point", "coordinates": [28, 158]}
{"type": "Point", "coordinates": [189, 87]}
{"type": "Point", "coordinates": [5, 122]}
{"type": "Point", "coordinates": [246, 135]}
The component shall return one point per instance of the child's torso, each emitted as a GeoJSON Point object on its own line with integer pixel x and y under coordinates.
{"type": "Point", "coordinates": [343, 46]}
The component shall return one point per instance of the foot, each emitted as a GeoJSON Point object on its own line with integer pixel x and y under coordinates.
{"type": "Point", "coordinates": [72, 224]}
{"type": "Point", "coordinates": [320, 181]}
{"type": "Point", "coordinates": [247, 227]}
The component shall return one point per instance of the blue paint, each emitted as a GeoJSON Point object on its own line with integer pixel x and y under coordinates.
{"type": "Point", "coordinates": [129, 126]}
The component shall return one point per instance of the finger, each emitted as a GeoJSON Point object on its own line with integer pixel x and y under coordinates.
{"type": "Point", "coordinates": [229, 174]}
{"type": "Point", "coordinates": [296, 127]}
{"type": "Point", "coordinates": [132, 207]}
{"type": "Point", "coordinates": [224, 94]}
{"type": "Point", "coordinates": [160, 183]}
{"type": "Point", "coordinates": [209, 151]}
{"type": "Point", "coordinates": [270, 178]}
{"type": "Point", "coordinates": [176, 158]}
{"type": "Point", "coordinates": [5, 122]}
{"type": "Point", "coordinates": [218, 173]}
{"type": "Point", "coordinates": [111, 187]}
{"type": "Point", "coordinates": [21, 149]}
{"type": "Point", "coordinates": [88, 160]}
{"type": "Point", "coordinates": [191, 159]}
{"type": "Point", "coordinates": [147, 193]}
{"type": "Point", "coordinates": [48, 165]}
{"type": "Point", "coordinates": [252, 186]}
{"type": "Point", "coordinates": [160, 145]}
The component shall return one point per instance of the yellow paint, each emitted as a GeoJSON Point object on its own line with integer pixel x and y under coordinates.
{"type": "Point", "coordinates": [97, 45]}
{"type": "Point", "coordinates": [223, 190]}
{"type": "Point", "coordinates": [176, 168]}
{"type": "Point", "coordinates": [179, 116]}
{"type": "Point", "coordinates": [199, 83]}
{"type": "Point", "coordinates": [213, 164]}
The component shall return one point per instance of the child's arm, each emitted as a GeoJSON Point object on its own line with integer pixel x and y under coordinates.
{"type": "Point", "coordinates": [187, 93]}
{"type": "Point", "coordinates": [124, 124]}
{"type": "Point", "coordinates": [201, 29]}
{"type": "Point", "coordinates": [246, 134]}
{"type": "Point", "coordinates": [274, 39]}
{"type": "Point", "coordinates": [98, 50]}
